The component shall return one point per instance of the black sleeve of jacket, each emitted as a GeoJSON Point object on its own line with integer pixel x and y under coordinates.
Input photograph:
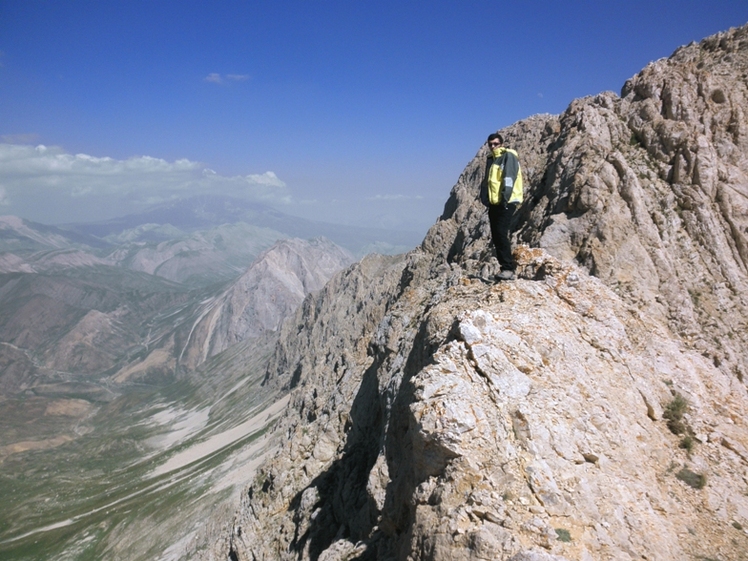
{"type": "Point", "coordinates": [511, 169]}
{"type": "Point", "coordinates": [484, 183]}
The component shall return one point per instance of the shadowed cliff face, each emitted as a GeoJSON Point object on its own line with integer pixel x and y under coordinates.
{"type": "Point", "coordinates": [592, 409]}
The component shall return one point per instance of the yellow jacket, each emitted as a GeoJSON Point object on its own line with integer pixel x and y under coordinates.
{"type": "Point", "coordinates": [503, 178]}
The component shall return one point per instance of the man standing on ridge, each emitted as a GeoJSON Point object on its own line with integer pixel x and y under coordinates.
{"type": "Point", "coordinates": [501, 191]}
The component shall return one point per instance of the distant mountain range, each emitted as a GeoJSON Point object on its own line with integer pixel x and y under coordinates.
{"type": "Point", "coordinates": [197, 242]}
{"type": "Point", "coordinates": [207, 212]}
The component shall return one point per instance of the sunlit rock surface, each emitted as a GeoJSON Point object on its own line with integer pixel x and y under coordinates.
{"type": "Point", "coordinates": [435, 414]}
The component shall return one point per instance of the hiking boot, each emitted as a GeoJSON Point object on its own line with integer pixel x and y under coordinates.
{"type": "Point", "coordinates": [506, 274]}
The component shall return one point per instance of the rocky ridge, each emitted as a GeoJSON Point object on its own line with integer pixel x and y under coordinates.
{"type": "Point", "coordinates": [592, 409]}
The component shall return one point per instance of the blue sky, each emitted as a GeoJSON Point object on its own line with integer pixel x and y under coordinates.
{"type": "Point", "coordinates": [357, 112]}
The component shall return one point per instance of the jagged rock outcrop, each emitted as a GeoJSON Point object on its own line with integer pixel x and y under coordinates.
{"type": "Point", "coordinates": [268, 292]}
{"type": "Point", "coordinates": [595, 408]}
{"type": "Point", "coordinates": [649, 192]}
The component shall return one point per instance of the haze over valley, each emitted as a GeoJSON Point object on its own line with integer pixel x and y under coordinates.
{"type": "Point", "coordinates": [132, 358]}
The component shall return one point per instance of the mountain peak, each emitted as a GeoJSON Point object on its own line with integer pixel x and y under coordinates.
{"type": "Point", "coordinates": [594, 408]}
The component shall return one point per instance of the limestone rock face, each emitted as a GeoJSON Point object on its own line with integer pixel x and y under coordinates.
{"type": "Point", "coordinates": [649, 192]}
{"type": "Point", "coordinates": [269, 291]}
{"type": "Point", "coordinates": [593, 409]}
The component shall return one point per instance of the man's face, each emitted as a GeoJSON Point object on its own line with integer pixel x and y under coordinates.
{"type": "Point", "coordinates": [493, 144]}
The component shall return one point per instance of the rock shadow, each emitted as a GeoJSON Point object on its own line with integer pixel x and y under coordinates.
{"type": "Point", "coordinates": [343, 508]}
{"type": "Point", "coordinates": [406, 467]}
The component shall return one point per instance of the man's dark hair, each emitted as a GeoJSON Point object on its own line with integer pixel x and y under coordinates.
{"type": "Point", "coordinates": [495, 136]}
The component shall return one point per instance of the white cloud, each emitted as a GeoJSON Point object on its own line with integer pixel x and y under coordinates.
{"type": "Point", "coordinates": [395, 198]}
{"type": "Point", "coordinates": [217, 78]}
{"type": "Point", "coordinates": [268, 178]}
{"type": "Point", "coordinates": [51, 185]}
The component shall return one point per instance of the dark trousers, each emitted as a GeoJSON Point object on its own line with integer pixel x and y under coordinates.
{"type": "Point", "coordinates": [501, 219]}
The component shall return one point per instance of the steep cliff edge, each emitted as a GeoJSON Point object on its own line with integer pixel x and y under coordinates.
{"type": "Point", "coordinates": [592, 409]}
